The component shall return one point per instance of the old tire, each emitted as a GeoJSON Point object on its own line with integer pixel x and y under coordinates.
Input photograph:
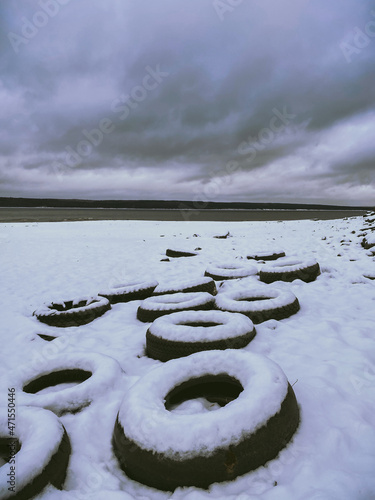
{"type": "Point", "coordinates": [220, 272]}
{"type": "Point", "coordinates": [94, 373]}
{"type": "Point", "coordinates": [161, 449]}
{"type": "Point", "coordinates": [184, 333]}
{"type": "Point", "coordinates": [138, 290]}
{"type": "Point", "coordinates": [202, 284]}
{"type": "Point", "coordinates": [290, 270]}
{"type": "Point", "coordinates": [43, 451]}
{"type": "Point", "coordinates": [179, 253]}
{"type": "Point", "coordinates": [73, 312]}
{"type": "Point", "coordinates": [267, 255]}
{"type": "Point", "coordinates": [157, 306]}
{"type": "Point", "coordinates": [259, 304]}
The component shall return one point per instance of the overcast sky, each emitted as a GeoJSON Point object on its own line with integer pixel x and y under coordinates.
{"type": "Point", "coordinates": [213, 100]}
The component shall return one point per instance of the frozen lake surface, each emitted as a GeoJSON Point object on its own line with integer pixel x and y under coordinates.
{"type": "Point", "coordinates": [76, 214]}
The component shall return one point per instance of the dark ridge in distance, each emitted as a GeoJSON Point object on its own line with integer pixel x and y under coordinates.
{"type": "Point", "coordinates": [166, 204]}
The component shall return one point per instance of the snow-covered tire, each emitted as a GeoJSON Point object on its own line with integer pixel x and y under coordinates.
{"type": "Point", "coordinates": [290, 270]}
{"type": "Point", "coordinates": [267, 255]}
{"type": "Point", "coordinates": [179, 253]}
{"type": "Point", "coordinates": [73, 312]}
{"type": "Point", "coordinates": [95, 374]}
{"type": "Point", "coordinates": [230, 271]}
{"type": "Point", "coordinates": [186, 332]}
{"type": "Point", "coordinates": [368, 244]}
{"type": "Point", "coordinates": [157, 306]}
{"type": "Point", "coordinates": [138, 290]}
{"type": "Point", "coordinates": [165, 450]}
{"type": "Point", "coordinates": [43, 452]}
{"type": "Point", "coordinates": [202, 284]}
{"type": "Point", "coordinates": [47, 338]}
{"type": "Point", "coordinates": [259, 304]}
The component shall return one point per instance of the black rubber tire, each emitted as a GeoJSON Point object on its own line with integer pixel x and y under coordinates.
{"type": "Point", "coordinates": [203, 284]}
{"type": "Point", "coordinates": [223, 272]}
{"type": "Point", "coordinates": [248, 451]}
{"type": "Point", "coordinates": [148, 311]}
{"type": "Point", "coordinates": [92, 372]}
{"type": "Point", "coordinates": [126, 293]}
{"type": "Point", "coordinates": [266, 255]}
{"type": "Point", "coordinates": [159, 346]}
{"type": "Point", "coordinates": [179, 253]}
{"type": "Point", "coordinates": [73, 313]}
{"type": "Point", "coordinates": [271, 307]}
{"type": "Point", "coordinates": [44, 470]}
{"type": "Point", "coordinates": [47, 338]}
{"type": "Point", "coordinates": [366, 245]}
{"type": "Point", "coordinates": [307, 272]}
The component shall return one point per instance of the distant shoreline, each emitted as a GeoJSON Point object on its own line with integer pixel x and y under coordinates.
{"type": "Point", "coordinates": [166, 204]}
{"type": "Point", "coordinates": [67, 214]}
{"type": "Point", "coordinates": [350, 209]}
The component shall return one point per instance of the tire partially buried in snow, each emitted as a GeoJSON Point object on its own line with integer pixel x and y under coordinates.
{"type": "Point", "coordinates": [230, 271]}
{"type": "Point", "coordinates": [184, 333]}
{"type": "Point", "coordinates": [42, 450]}
{"type": "Point", "coordinates": [73, 312]}
{"type": "Point", "coordinates": [165, 450]}
{"type": "Point", "coordinates": [290, 270]}
{"type": "Point", "coordinates": [179, 253]}
{"type": "Point", "coordinates": [93, 374]}
{"type": "Point", "coordinates": [259, 304]}
{"type": "Point", "coordinates": [157, 306]}
{"type": "Point", "coordinates": [125, 292]}
{"type": "Point", "coordinates": [267, 255]}
{"type": "Point", "coordinates": [202, 284]}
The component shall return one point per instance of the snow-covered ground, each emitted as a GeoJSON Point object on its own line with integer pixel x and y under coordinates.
{"type": "Point", "coordinates": [326, 350]}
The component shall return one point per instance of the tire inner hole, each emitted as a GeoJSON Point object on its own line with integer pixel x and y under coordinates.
{"type": "Point", "coordinates": [8, 448]}
{"type": "Point", "coordinates": [171, 301]}
{"type": "Point", "coordinates": [287, 264]}
{"type": "Point", "coordinates": [57, 378]}
{"type": "Point", "coordinates": [216, 390]}
{"type": "Point", "coordinates": [68, 305]}
{"type": "Point", "coordinates": [200, 323]}
{"type": "Point", "coordinates": [252, 299]}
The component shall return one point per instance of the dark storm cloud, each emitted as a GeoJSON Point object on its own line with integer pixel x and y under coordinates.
{"type": "Point", "coordinates": [167, 99]}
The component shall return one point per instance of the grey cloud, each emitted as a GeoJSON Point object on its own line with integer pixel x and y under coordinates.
{"type": "Point", "coordinates": [225, 78]}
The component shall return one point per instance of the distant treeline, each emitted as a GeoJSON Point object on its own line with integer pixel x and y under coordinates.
{"type": "Point", "coordinates": [149, 204]}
